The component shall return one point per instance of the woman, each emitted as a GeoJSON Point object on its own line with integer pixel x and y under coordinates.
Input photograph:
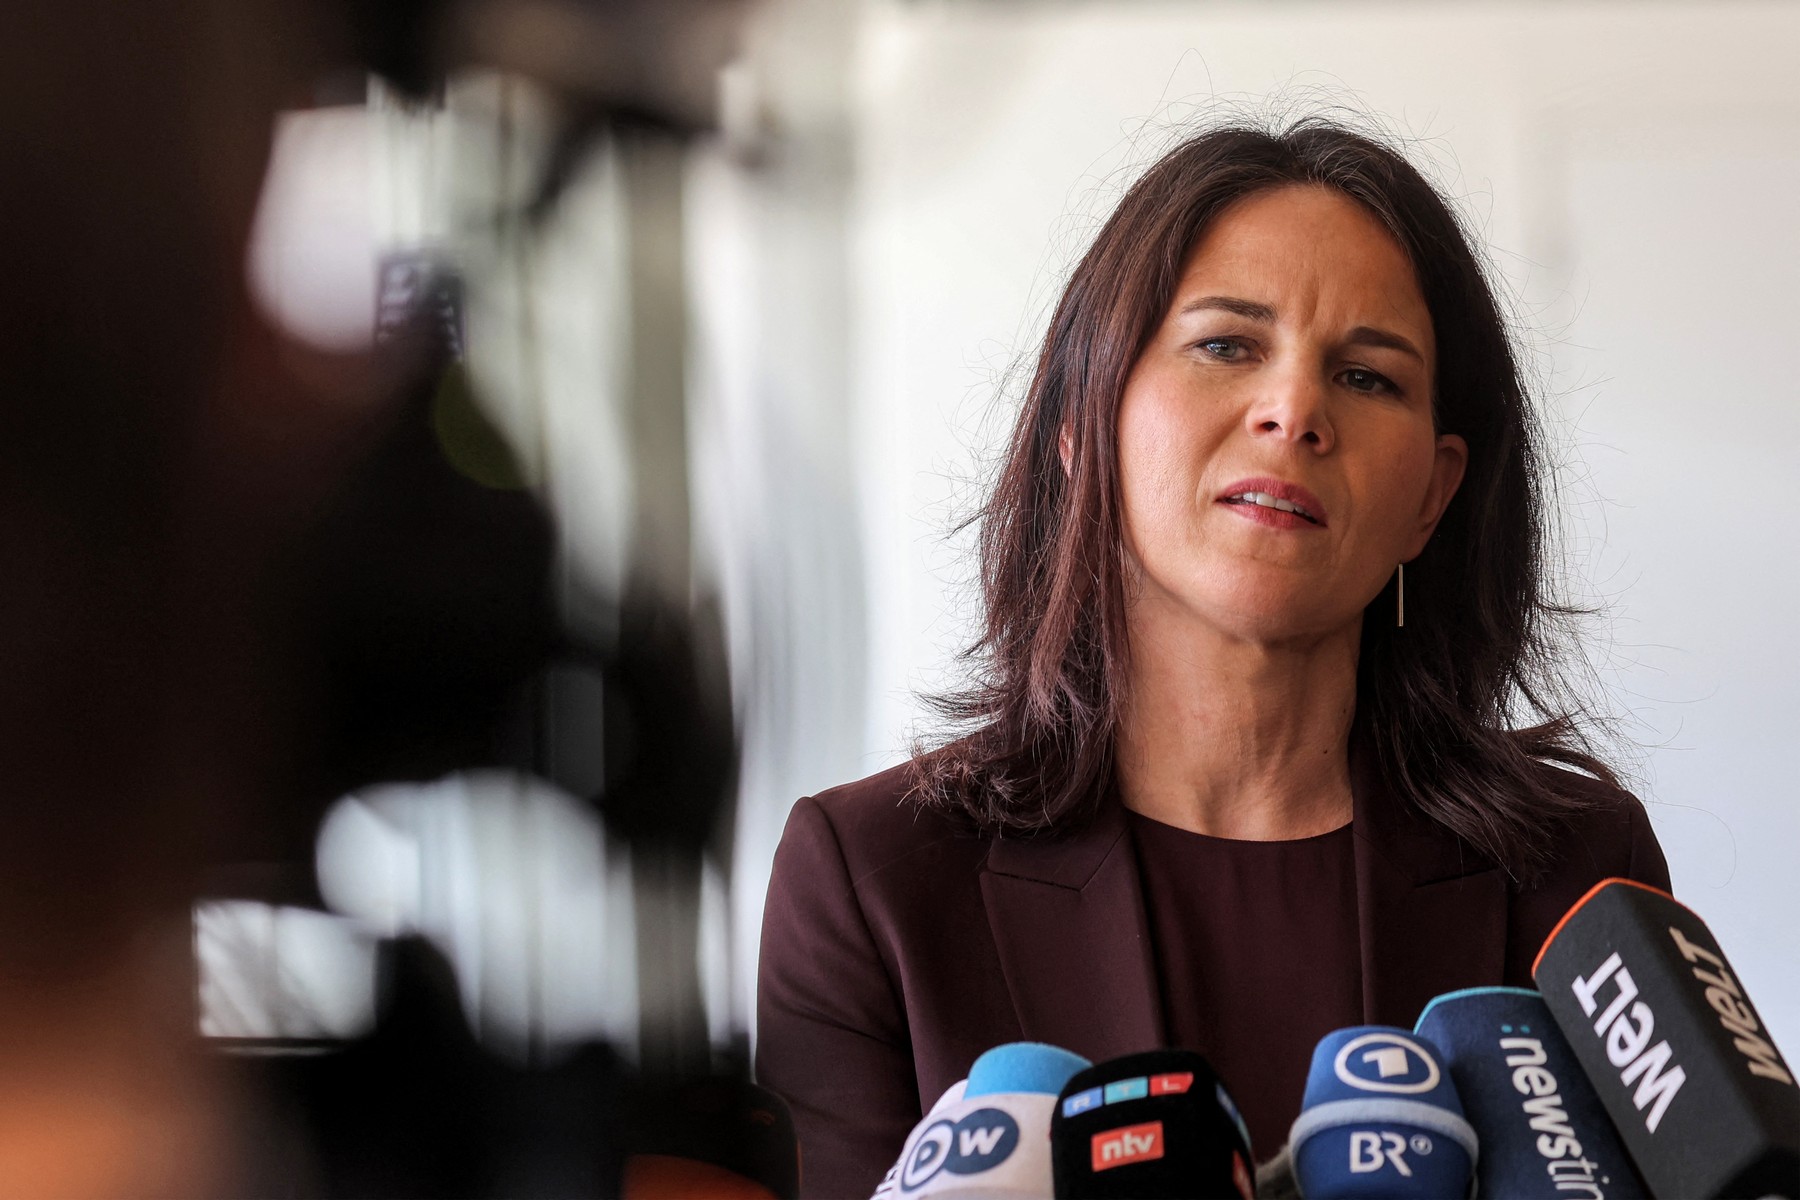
{"type": "Point", "coordinates": [1263, 576]}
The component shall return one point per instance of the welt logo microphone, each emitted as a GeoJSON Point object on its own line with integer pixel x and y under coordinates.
{"type": "Point", "coordinates": [1158, 1124]}
{"type": "Point", "coordinates": [1380, 1119]}
{"type": "Point", "coordinates": [1661, 1025]}
{"type": "Point", "coordinates": [1544, 1134]}
{"type": "Point", "coordinates": [987, 1137]}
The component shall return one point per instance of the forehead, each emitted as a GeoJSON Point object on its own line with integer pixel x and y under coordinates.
{"type": "Point", "coordinates": [1309, 252]}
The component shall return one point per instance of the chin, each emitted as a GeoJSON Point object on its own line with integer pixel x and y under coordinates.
{"type": "Point", "coordinates": [1289, 612]}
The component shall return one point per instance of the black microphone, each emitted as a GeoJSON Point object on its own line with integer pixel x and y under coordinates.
{"type": "Point", "coordinates": [1158, 1124]}
{"type": "Point", "coordinates": [1544, 1134]}
{"type": "Point", "coordinates": [1661, 1025]}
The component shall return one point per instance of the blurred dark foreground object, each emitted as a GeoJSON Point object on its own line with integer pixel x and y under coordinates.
{"type": "Point", "coordinates": [426, 625]}
{"type": "Point", "coordinates": [420, 1109]}
{"type": "Point", "coordinates": [165, 459]}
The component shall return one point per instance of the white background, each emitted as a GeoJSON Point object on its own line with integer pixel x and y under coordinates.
{"type": "Point", "coordinates": [1633, 169]}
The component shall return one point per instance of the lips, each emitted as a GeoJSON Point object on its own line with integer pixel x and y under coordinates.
{"type": "Point", "coordinates": [1275, 502]}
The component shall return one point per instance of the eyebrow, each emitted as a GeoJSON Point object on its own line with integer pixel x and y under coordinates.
{"type": "Point", "coordinates": [1365, 335]}
{"type": "Point", "coordinates": [1250, 310]}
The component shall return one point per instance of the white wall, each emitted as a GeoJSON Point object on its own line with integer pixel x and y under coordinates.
{"type": "Point", "coordinates": [1634, 167]}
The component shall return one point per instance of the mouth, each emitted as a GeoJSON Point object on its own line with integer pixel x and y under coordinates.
{"type": "Point", "coordinates": [1265, 498]}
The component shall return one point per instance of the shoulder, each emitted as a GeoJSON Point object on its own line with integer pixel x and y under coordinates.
{"type": "Point", "coordinates": [1608, 836]}
{"type": "Point", "coordinates": [873, 853]}
{"type": "Point", "coordinates": [877, 824]}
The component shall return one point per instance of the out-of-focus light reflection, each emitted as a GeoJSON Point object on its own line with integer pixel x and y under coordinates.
{"type": "Point", "coordinates": [312, 256]}
{"type": "Point", "coordinates": [369, 868]}
{"type": "Point", "coordinates": [268, 971]}
{"type": "Point", "coordinates": [514, 879]}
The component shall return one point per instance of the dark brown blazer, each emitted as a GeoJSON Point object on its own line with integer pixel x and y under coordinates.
{"type": "Point", "coordinates": [897, 946]}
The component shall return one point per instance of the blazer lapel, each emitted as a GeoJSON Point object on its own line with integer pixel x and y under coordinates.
{"type": "Point", "coordinates": [1068, 921]}
{"type": "Point", "coordinates": [1431, 912]}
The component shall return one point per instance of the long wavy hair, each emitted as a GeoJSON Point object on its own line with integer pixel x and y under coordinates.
{"type": "Point", "coordinates": [1438, 703]}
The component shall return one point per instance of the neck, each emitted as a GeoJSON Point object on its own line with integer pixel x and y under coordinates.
{"type": "Point", "coordinates": [1238, 738]}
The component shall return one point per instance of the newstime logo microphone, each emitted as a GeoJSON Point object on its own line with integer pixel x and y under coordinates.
{"type": "Point", "coordinates": [1381, 1119]}
{"type": "Point", "coordinates": [1660, 1023]}
{"type": "Point", "coordinates": [1147, 1126]}
{"type": "Point", "coordinates": [1544, 1133]}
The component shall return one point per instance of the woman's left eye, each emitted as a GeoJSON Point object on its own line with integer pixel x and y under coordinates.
{"type": "Point", "coordinates": [1360, 380]}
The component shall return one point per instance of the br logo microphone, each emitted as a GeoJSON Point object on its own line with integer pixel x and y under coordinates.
{"type": "Point", "coordinates": [1371, 1151]}
{"type": "Point", "coordinates": [1381, 1119]}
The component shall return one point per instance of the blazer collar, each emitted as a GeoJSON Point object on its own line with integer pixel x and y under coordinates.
{"type": "Point", "coordinates": [1431, 911]}
{"type": "Point", "coordinates": [1069, 922]}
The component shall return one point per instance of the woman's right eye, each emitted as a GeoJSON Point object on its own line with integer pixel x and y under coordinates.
{"type": "Point", "coordinates": [1229, 349]}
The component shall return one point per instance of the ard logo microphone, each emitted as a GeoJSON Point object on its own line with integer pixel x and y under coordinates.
{"type": "Point", "coordinates": [1381, 1118]}
{"type": "Point", "coordinates": [1674, 1048]}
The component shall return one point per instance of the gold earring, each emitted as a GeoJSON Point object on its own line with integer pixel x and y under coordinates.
{"type": "Point", "coordinates": [1400, 599]}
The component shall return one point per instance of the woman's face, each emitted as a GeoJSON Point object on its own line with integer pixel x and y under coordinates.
{"type": "Point", "coordinates": [1292, 371]}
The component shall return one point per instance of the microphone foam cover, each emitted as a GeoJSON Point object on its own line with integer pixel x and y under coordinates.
{"type": "Point", "coordinates": [991, 1147]}
{"type": "Point", "coordinates": [1544, 1134]}
{"type": "Point", "coordinates": [951, 1095]}
{"type": "Point", "coordinates": [1676, 1052]}
{"type": "Point", "coordinates": [1158, 1124]}
{"type": "Point", "coordinates": [1381, 1118]}
{"type": "Point", "coordinates": [1023, 1067]}
{"type": "Point", "coordinates": [1008, 1076]}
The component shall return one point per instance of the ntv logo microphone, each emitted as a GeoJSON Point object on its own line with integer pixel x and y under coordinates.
{"type": "Point", "coordinates": [1133, 1143]}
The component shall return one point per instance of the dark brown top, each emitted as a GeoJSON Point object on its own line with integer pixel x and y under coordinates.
{"type": "Point", "coordinates": [1257, 957]}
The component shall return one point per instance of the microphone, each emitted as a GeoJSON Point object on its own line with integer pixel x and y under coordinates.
{"type": "Point", "coordinates": [1544, 1134]}
{"type": "Point", "coordinates": [987, 1137]}
{"type": "Point", "coordinates": [1151, 1125]}
{"type": "Point", "coordinates": [1672, 1045]}
{"type": "Point", "coordinates": [1380, 1119]}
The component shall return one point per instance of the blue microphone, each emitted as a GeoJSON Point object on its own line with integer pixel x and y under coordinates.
{"type": "Point", "coordinates": [1381, 1118]}
{"type": "Point", "coordinates": [1544, 1133]}
{"type": "Point", "coordinates": [1023, 1067]}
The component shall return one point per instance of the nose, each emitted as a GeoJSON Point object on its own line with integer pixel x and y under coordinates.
{"type": "Point", "coordinates": [1292, 407]}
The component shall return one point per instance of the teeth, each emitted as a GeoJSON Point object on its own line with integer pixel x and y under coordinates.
{"type": "Point", "coordinates": [1268, 501]}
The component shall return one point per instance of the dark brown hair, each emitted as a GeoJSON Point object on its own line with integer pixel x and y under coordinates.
{"type": "Point", "coordinates": [1436, 701]}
